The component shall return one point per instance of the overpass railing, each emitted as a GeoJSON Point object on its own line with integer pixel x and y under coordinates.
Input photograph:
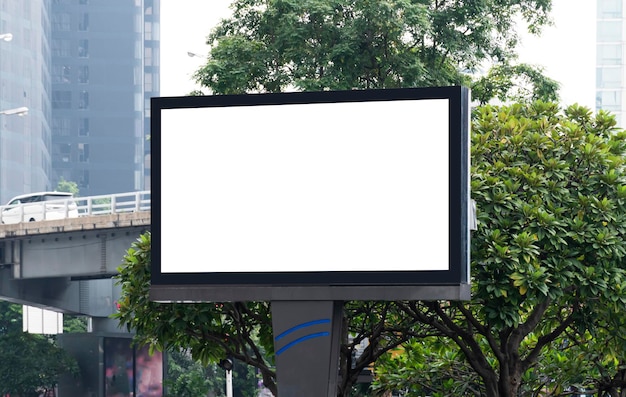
{"type": "Point", "coordinates": [75, 207]}
{"type": "Point", "coordinates": [113, 203]}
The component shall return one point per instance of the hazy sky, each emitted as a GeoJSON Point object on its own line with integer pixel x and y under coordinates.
{"type": "Point", "coordinates": [566, 50]}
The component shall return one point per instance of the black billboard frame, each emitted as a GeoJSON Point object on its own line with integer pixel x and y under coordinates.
{"type": "Point", "coordinates": [451, 284]}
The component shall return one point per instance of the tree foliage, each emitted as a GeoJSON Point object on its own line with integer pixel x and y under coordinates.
{"type": "Point", "coordinates": [547, 280]}
{"type": "Point", "coordinates": [30, 363]}
{"type": "Point", "coordinates": [209, 331]}
{"type": "Point", "coordinates": [278, 45]}
{"type": "Point", "coordinates": [67, 186]}
{"type": "Point", "coordinates": [243, 330]}
{"type": "Point", "coordinates": [10, 317]}
{"type": "Point", "coordinates": [426, 366]}
{"type": "Point", "coordinates": [73, 324]}
{"type": "Point", "coordinates": [186, 381]}
{"type": "Point", "coordinates": [514, 83]}
{"type": "Point", "coordinates": [547, 273]}
{"type": "Point", "coordinates": [548, 284]}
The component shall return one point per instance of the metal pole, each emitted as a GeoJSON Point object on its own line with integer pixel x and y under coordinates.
{"type": "Point", "coordinates": [307, 337]}
{"type": "Point", "coordinates": [229, 383]}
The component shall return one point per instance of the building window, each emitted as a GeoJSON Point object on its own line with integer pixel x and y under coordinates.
{"type": "Point", "coordinates": [609, 100]}
{"type": "Point", "coordinates": [61, 127]}
{"type": "Point", "coordinates": [83, 48]}
{"type": "Point", "coordinates": [61, 48]}
{"type": "Point", "coordinates": [62, 151]}
{"type": "Point", "coordinates": [609, 54]}
{"type": "Point", "coordinates": [610, 9]}
{"type": "Point", "coordinates": [609, 31]}
{"type": "Point", "coordinates": [147, 57]}
{"type": "Point", "coordinates": [83, 100]}
{"type": "Point", "coordinates": [147, 82]}
{"type": "Point", "coordinates": [83, 74]}
{"type": "Point", "coordinates": [67, 71]}
{"type": "Point", "coordinates": [84, 180]}
{"type": "Point", "coordinates": [147, 31]}
{"type": "Point", "coordinates": [61, 73]}
{"type": "Point", "coordinates": [83, 24]}
{"type": "Point", "coordinates": [609, 77]}
{"type": "Point", "coordinates": [83, 152]}
{"type": "Point", "coordinates": [61, 99]}
{"type": "Point", "coordinates": [61, 22]}
{"type": "Point", "coordinates": [83, 129]}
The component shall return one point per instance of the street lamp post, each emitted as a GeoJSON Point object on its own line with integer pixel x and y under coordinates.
{"type": "Point", "coordinates": [227, 365]}
{"type": "Point", "coordinates": [193, 55]}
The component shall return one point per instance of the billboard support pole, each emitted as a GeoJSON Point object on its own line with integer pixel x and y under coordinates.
{"type": "Point", "coordinates": [307, 339]}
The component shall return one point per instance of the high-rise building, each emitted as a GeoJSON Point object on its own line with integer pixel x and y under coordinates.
{"type": "Point", "coordinates": [611, 58]}
{"type": "Point", "coordinates": [25, 141]}
{"type": "Point", "coordinates": [104, 69]}
{"type": "Point", "coordinates": [85, 69]}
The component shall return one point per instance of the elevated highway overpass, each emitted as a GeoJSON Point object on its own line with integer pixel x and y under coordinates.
{"type": "Point", "coordinates": [67, 265]}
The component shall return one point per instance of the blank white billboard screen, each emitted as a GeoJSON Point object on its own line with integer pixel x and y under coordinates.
{"type": "Point", "coordinates": [349, 186]}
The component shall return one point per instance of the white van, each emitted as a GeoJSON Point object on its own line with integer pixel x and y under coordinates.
{"type": "Point", "coordinates": [40, 206]}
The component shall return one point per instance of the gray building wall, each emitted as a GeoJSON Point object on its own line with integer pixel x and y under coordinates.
{"type": "Point", "coordinates": [25, 141]}
{"type": "Point", "coordinates": [99, 59]}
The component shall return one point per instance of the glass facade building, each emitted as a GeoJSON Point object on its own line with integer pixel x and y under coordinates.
{"type": "Point", "coordinates": [85, 69]}
{"type": "Point", "coordinates": [610, 58]}
{"type": "Point", "coordinates": [104, 69]}
{"type": "Point", "coordinates": [25, 142]}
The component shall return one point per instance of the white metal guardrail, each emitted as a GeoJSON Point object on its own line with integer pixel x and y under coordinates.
{"type": "Point", "coordinates": [76, 207]}
{"type": "Point", "coordinates": [113, 203]}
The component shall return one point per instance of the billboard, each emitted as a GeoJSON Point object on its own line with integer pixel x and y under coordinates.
{"type": "Point", "coordinates": [131, 371]}
{"type": "Point", "coordinates": [358, 194]}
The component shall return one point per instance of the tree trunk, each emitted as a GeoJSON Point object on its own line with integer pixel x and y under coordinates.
{"type": "Point", "coordinates": [504, 384]}
{"type": "Point", "coordinates": [509, 385]}
{"type": "Point", "coordinates": [491, 389]}
{"type": "Point", "coordinates": [510, 378]}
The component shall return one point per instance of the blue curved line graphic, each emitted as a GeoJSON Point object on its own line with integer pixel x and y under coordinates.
{"type": "Point", "coordinates": [299, 340]}
{"type": "Point", "coordinates": [300, 326]}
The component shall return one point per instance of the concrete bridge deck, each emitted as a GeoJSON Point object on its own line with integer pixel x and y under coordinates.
{"type": "Point", "coordinates": [67, 265]}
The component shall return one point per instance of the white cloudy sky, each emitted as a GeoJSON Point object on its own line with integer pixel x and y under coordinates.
{"type": "Point", "coordinates": [566, 50]}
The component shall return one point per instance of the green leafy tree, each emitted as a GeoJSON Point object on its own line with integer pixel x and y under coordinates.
{"type": "Point", "coordinates": [245, 381]}
{"type": "Point", "coordinates": [547, 274]}
{"type": "Point", "coordinates": [189, 378]}
{"type": "Point", "coordinates": [31, 364]}
{"type": "Point", "coordinates": [243, 330]}
{"type": "Point", "coordinates": [10, 317]}
{"type": "Point", "coordinates": [551, 189]}
{"type": "Point", "coordinates": [67, 186]}
{"type": "Point", "coordinates": [209, 331]}
{"type": "Point", "coordinates": [594, 362]}
{"type": "Point", "coordinates": [73, 323]}
{"type": "Point", "coordinates": [514, 83]}
{"type": "Point", "coordinates": [426, 366]}
{"type": "Point", "coordinates": [279, 45]}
